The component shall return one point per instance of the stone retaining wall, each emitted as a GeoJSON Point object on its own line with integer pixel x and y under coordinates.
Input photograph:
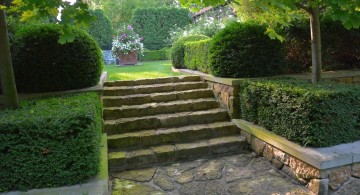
{"type": "Point", "coordinates": [342, 179]}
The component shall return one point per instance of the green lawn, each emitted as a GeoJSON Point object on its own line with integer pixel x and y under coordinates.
{"type": "Point", "coordinates": [154, 69]}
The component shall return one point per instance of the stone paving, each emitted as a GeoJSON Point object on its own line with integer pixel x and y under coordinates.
{"type": "Point", "coordinates": [233, 174]}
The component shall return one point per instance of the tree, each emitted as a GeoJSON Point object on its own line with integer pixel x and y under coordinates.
{"type": "Point", "coordinates": [101, 29]}
{"type": "Point", "coordinates": [71, 14]}
{"type": "Point", "coordinates": [346, 11]}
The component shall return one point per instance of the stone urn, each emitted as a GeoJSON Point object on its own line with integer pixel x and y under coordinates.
{"type": "Point", "coordinates": [128, 59]}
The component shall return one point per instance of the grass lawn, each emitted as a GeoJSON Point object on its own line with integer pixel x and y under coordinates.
{"type": "Point", "coordinates": [154, 69]}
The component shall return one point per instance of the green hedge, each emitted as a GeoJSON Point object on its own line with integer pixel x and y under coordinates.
{"type": "Point", "coordinates": [197, 55]}
{"type": "Point", "coordinates": [323, 114]}
{"type": "Point", "coordinates": [155, 24]}
{"type": "Point", "coordinates": [244, 50]}
{"type": "Point", "coordinates": [101, 29]}
{"type": "Point", "coordinates": [153, 55]}
{"type": "Point", "coordinates": [49, 143]}
{"type": "Point", "coordinates": [178, 49]}
{"type": "Point", "coordinates": [42, 64]}
{"type": "Point", "coordinates": [340, 47]}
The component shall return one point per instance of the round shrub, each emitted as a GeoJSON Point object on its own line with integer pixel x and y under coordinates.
{"type": "Point", "coordinates": [41, 64]}
{"type": "Point", "coordinates": [243, 50]}
{"type": "Point", "coordinates": [178, 49]}
{"type": "Point", "coordinates": [101, 29]}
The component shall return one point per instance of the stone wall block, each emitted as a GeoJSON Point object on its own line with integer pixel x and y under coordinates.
{"type": "Point", "coordinates": [268, 152]}
{"type": "Point", "coordinates": [258, 146]}
{"type": "Point", "coordinates": [319, 186]}
{"type": "Point", "coordinates": [246, 135]}
{"type": "Point", "coordinates": [355, 170]}
{"type": "Point", "coordinates": [339, 176]}
{"type": "Point", "coordinates": [280, 155]}
{"type": "Point", "coordinates": [303, 170]}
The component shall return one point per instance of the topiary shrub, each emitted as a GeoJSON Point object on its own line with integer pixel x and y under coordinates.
{"type": "Point", "coordinates": [319, 115]}
{"type": "Point", "coordinates": [101, 30]}
{"type": "Point", "coordinates": [42, 64]}
{"type": "Point", "coordinates": [50, 142]}
{"type": "Point", "coordinates": [178, 49]}
{"type": "Point", "coordinates": [197, 55]}
{"type": "Point", "coordinates": [243, 50]}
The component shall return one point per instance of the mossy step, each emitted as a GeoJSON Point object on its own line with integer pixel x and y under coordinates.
{"type": "Point", "coordinates": [164, 121]}
{"type": "Point", "coordinates": [152, 81]}
{"type": "Point", "coordinates": [159, 108]}
{"type": "Point", "coordinates": [154, 88]}
{"type": "Point", "coordinates": [113, 101]}
{"type": "Point", "coordinates": [171, 135]}
{"type": "Point", "coordinates": [122, 160]}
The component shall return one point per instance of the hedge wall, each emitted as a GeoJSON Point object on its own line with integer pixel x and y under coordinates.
{"type": "Point", "coordinates": [41, 64]}
{"type": "Point", "coordinates": [101, 30]}
{"type": "Point", "coordinates": [49, 143]}
{"type": "Point", "coordinates": [153, 55]}
{"type": "Point", "coordinates": [323, 114]}
{"type": "Point", "coordinates": [154, 24]}
{"type": "Point", "coordinates": [197, 55]}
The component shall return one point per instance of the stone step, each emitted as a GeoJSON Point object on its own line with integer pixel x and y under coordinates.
{"type": "Point", "coordinates": [139, 158]}
{"type": "Point", "coordinates": [159, 108]}
{"type": "Point", "coordinates": [113, 101]}
{"type": "Point", "coordinates": [152, 81]}
{"type": "Point", "coordinates": [154, 88]}
{"type": "Point", "coordinates": [126, 125]}
{"type": "Point", "coordinates": [189, 133]}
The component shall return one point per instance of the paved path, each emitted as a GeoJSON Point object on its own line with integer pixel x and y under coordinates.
{"type": "Point", "coordinates": [234, 174]}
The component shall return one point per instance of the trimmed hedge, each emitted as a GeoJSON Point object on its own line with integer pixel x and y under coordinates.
{"type": "Point", "coordinates": [50, 142]}
{"type": "Point", "coordinates": [318, 115]}
{"type": "Point", "coordinates": [101, 30]}
{"type": "Point", "coordinates": [197, 55]}
{"type": "Point", "coordinates": [243, 50]}
{"type": "Point", "coordinates": [178, 49]}
{"type": "Point", "coordinates": [41, 64]}
{"type": "Point", "coordinates": [153, 55]}
{"type": "Point", "coordinates": [340, 47]}
{"type": "Point", "coordinates": [155, 24]}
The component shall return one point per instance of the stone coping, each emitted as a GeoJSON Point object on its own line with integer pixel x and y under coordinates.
{"type": "Point", "coordinates": [237, 81]}
{"type": "Point", "coordinates": [97, 88]}
{"type": "Point", "coordinates": [321, 158]}
{"type": "Point", "coordinates": [98, 185]}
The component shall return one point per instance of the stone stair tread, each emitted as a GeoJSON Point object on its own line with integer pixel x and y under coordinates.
{"type": "Point", "coordinates": [153, 81]}
{"type": "Point", "coordinates": [151, 85]}
{"type": "Point", "coordinates": [161, 116]}
{"type": "Point", "coordinates": [174, 129]}
{"type": "Point", "coordinates": [128, 159]}
{"type": "Point", "coordinates": [147, 105]}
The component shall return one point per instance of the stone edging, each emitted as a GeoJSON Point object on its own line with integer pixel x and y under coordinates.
{"type": "Point", "coordinates": [99, 185]}
{"type": "Point", "coordinates": [321, 158]}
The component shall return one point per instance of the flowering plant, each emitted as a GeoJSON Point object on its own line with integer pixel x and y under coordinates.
{"type": "Point", "coordinates": [128, 41]}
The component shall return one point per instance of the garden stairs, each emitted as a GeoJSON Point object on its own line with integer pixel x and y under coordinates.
{"type": "Point", "coordinates": [164, 120]}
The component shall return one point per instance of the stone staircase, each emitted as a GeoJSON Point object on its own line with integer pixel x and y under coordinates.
{"type": "Point", "coordinates": [163, 120]}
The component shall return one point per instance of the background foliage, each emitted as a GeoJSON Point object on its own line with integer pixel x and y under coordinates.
{"type": "Point", "coordinates": [154, 24]}
{"type": "Point", "coordinates": [50, 142]}
{"type": "Point", "coordinates": [101, 30]}
{"type": "Point", "coordinates": [42, 64]}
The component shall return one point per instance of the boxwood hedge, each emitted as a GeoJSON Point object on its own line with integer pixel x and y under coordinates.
{"type": "Point", "coordinates": [317, 115]}
{"type": "Point", "coordinates": [153, 55]}
{"type": "Point", "coordinates": [197, 55]}
{"type": "Point", "coordinates": [50, 142]}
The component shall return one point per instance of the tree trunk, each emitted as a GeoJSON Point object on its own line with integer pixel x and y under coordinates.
{"type": "Point", "coordinates": [315, 44]}
{"type": "Point", "coordinates": [6, 68]}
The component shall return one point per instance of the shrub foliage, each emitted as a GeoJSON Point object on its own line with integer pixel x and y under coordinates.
{"type": "Point", "coordinates": [178, 49]}
{"type": "Point", "coordinates": [42, 64]}
{"type": "Point", "coordinates": [155, 24]}
{"type": "Point", "coordinates": [243, 50]}
{"type": "Point", "coordinates": [197, 55]}
{"type": "Point", "coordinates": [319, 115]}
{"type": "Point", "coordinates": [101, 30]}
{"type": "Point", "coordinates": [153, 55]}
{"type": "Point", "coordinates": [49, 143]}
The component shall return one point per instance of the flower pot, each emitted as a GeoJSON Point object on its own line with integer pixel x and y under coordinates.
{"type": "Point", "coordinates": [128, 59]}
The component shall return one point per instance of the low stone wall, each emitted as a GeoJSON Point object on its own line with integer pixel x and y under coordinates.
{"type": "Point", "coordinates": [332, 170]}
